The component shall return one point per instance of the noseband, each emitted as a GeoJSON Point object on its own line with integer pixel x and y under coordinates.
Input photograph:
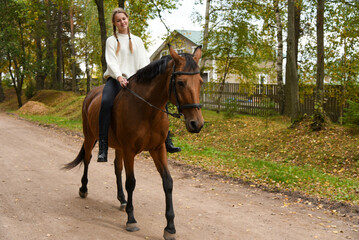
{"type": "Point", "coordinates": [173, 86]}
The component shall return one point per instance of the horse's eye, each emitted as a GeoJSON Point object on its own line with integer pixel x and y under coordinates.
{"type": "Point", "coordinates": [180, 83]}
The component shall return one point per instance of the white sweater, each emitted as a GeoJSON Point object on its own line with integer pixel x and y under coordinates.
{"type": "Point", "coordinates": [124, 63]}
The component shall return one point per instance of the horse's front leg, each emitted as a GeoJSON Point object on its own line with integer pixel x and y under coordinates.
{"type": "Point", "coordinates": [129, 158]}
{"type": "Point", "coordinates": [160, 158]}
{"type": "Point", "coordinates": [118, 172]}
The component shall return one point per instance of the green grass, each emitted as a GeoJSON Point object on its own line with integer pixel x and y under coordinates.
{"type": "Point", "coordinates": [266, 152]}
{"type": "Point", "coordinates": [62, 122]}
{"type": "Point", "coordinates": [306, 179]}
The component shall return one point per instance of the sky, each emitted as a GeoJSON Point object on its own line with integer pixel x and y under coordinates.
{"type": "Point", "coordinates": [178, 19]}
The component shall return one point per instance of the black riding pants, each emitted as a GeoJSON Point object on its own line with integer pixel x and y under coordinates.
{"type": "Point", "coordinates": [112, 87]}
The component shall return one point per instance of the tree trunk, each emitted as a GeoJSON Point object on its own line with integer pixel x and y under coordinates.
{"type": "Point", "coordinates": [101, 20]}
{"type": "Point", "coordinates": [58, 83]}
{"type": "Point", "coordinates": [16, 78]}
{"type": "Point", "coordinates": [319, 118]}
{"type": "Point", "coordinates": [2, 95]}
{"type": "Point", "coordinates": [121, 3]}
{"type": "Point", "coordinates": [73, 53]}
{"type": "Point", "coordinates": [292, 93]}
{"type": "Point", "coordinates": [279, 64]}
{"type": "Point", "coordinates": [221, 87]}
{"type": "Point", "coordinates": [298, 11]}
{"type": "Point", "coordinates": [50, 59]}
{"type": "Point", "coordinates": [205, 37]}
{"type": "Point", "coordinates": [88, 73]}
{"type": "Point", "coordinates": [40, 75]}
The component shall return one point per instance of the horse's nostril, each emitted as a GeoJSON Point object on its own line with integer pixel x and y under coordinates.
{"type": "Point", "coordinates": [194, 124]}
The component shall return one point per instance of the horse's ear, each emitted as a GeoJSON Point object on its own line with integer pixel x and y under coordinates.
{"type": "Point", "coordinates": [174, 54]}
{"type": "Point", "coordinates": [197, 54]}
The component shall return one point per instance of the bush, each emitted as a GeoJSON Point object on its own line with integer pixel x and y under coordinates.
{"type": "Point", "coordinates": [30, 90]}
{"type": "Point", "coordinates": [231, 107]}
{"type": "Point", "coordinates": [351, 115]}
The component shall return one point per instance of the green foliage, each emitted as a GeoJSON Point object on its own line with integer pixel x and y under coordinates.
{"type": "Point", "coordinates": [351, 115]}
{"type": "Point", "coordinates": [231, 107]}
{"type": "Point", "coordinates": [234, 40]}
{"type": "Point", "coordinates": [30, 90]}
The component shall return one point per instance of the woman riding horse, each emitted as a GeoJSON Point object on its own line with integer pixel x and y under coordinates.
{"type": "Point", "coordinates": [125, 54]}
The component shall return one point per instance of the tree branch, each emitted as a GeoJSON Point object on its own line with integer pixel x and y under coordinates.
{"type": "Point", "coordinates": [160, 16]}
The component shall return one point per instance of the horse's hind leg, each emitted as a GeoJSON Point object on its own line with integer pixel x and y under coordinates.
{"type": "Point", "coordinates": [160, 159]}
{"type": "Point", "coordinates": [118, 172]}
{"type": "Point", "coordinates": [131, 225]}
{"type": "Point", "coordinates": [88, 145]}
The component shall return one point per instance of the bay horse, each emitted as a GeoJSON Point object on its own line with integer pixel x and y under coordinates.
{"type": "Point", "coordinates": [140, 123]}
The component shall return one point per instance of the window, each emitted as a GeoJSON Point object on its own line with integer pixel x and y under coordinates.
{"type": "Point", "coordinates": [179, 50]}
{"type": "Point", "coordinates": [164, 53]}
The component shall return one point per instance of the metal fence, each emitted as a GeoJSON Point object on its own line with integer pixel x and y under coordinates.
{"type": "Point", "coordinates": [257, 98]}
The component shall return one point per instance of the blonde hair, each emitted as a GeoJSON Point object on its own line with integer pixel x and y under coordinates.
{"type": "Point", "coordinates": [115, 11]}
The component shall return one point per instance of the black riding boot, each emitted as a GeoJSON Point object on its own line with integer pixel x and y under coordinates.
{"type": "Point", "coordinates": [169, 145]}
{"type": "Point", "coordinates": [102, 152]}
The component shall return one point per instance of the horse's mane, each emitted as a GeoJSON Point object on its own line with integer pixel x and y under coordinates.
{"type": "Point", "coordinates": [149, 72]}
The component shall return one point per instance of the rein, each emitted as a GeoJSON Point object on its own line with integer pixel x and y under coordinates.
{"type": "Point", "coordinates": [176, 115]}
{"type": "Point", "coordinates": [172, 86]}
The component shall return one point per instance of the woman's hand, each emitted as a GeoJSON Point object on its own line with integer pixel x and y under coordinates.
{"type": "Point", "coordinates": [123, 81]}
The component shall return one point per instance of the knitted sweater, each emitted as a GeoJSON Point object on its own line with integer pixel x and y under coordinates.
{"type": "Point", "coordinates": [124, 63]}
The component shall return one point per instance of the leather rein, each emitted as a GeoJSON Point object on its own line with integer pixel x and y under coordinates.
{"type": "Point", "coordinates": [172, 86]}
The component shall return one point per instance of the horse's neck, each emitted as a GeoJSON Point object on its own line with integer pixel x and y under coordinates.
{"type": "Point", "coordinates": [156, 92]}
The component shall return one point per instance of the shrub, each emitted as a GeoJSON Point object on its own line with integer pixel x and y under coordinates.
{"type": "Point", "coordinates": [351, 115]}
{"type": "Point", "coordinates": [30, 90]}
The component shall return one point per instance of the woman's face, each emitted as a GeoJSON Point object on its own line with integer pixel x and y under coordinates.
{"type": "Point", "coordinates": [121, 22]}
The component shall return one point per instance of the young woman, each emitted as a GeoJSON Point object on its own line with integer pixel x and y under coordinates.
{"type": "Point", "coordinates": [125, 54]}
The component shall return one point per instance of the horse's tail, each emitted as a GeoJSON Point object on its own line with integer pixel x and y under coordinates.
{"type": "Point", "coordinates": [79, 159]}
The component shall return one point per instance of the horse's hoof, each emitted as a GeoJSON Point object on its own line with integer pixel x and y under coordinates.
{"type": "Point", "coordinates": [169, 236]}
{"type": "Point", "coordinates": [123, 207]}
{"type": "Point", "coordinates": [132, 227]}
{"type": "Point", "coordinates": [83, 194]}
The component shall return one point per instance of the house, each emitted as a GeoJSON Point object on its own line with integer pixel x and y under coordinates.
{"type": "Point", "coordinates": [184, 41]}
{"type": "Point", "coordinates": [187, 41]}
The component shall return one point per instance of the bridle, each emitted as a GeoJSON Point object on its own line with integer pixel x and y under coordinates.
{"type": "Point", "coordinates": [172, 86]}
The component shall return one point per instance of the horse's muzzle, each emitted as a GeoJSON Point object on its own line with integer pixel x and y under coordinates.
{"type": "Point", "coordinates": [194, 126]}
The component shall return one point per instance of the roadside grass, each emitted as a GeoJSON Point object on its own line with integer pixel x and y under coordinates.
{"type": "Point", "coordinates": [50, 120]}
{"type": "Point", "coordinates": [262, 151]}
{"type": "Point", "coordinates": [323, 165]}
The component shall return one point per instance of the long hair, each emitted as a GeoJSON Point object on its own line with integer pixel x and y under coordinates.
{"type": "Point", "coordinates": [115, 11]}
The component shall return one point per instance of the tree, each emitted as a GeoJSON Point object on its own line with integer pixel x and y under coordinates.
{"type": "Point", "coordinates": [2, 95]}
{"type": "Point", "coordinates": [58, 84]}
{"type": "Point", "coordinates": [121, 4]}
{"type": "Point", "coordinates": [319, 119]}
{"type": "Point", "coordinates": [205, 36]}
{"type": "Point", "coordinates": [279, 62]}
{"type": "Point", "coordinates": [49, 40]}
{"type": "Point", "coordinates": [292, 95]}
{"type": "Point", "coordinates": [73, 53]}
{"type": "Point", "coordinates": [102, 23]}
{"type": "Point", "coordinates": [36, 22]}
{"type": "Point", "coordinates": [14, 45]}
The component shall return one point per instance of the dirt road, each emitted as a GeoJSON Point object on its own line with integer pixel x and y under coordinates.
{"type": "Point", "coordinates": [40, 201]}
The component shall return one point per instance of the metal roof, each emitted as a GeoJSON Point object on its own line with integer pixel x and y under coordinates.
{"type": "Point", "coordinates": [194, 36]}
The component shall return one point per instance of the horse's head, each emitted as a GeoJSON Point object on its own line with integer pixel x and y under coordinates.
{"type": "Point", "coordinates": [185, 88]}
